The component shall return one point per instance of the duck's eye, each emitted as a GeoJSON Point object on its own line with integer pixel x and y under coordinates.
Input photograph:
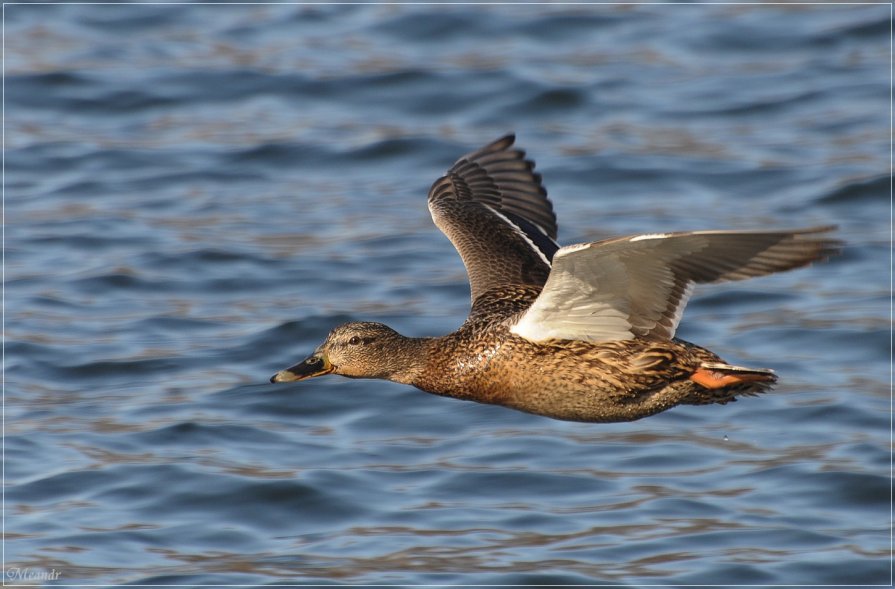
{"type": "Point", "coordinates": [354, 340]}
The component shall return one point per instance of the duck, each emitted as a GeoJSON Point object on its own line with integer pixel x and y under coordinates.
{"type": "Point", "coordinates": [584, 332]}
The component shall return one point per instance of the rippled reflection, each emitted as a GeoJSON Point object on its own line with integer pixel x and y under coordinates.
{"type": "Point", "coordinates": [195, 195]}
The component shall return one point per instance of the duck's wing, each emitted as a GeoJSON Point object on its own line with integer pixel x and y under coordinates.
{"type": "Point", "coordinates": [493, 208]}
{"type": "Point", "coordinates": [637, 286]}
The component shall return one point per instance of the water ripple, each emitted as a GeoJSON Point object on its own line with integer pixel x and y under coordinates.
{"type": "Point", "coordinates": [196, 194]}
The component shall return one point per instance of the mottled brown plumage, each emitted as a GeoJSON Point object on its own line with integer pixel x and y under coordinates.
{"type": "Point", "coordinates": [581, 333]}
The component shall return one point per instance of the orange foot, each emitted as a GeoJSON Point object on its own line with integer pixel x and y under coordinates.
{"type": "Point", "coordinates": [712, 379]}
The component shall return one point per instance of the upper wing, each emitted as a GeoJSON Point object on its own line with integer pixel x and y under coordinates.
{"type": "Point", "coordinates": [492, 207]}
{"type": "Point", "coordinates": [637, 286]}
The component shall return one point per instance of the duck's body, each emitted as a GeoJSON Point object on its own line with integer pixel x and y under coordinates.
{"type": "Point", "coordinates": [597, 383]}
{"type": "Point", "coordinates": [582, 333]}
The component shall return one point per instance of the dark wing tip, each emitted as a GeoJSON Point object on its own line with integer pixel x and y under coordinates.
{"type": "Point", "coordinates": [760, 253]}
{"type": "Point", "coordinates": [815, 230]}
{"type": "Point", "coordinates": [501, 144]}
{"type": "Point", "coordinates": [825, 246]}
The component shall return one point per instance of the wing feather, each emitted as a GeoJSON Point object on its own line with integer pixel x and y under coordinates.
{"type": "Point", "coordinates": [494, 209]}
{"type": "Point", "coordinates": [637, 286]}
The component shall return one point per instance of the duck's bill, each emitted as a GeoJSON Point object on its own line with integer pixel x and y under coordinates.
{"type": "Point", "coordinates": [316, 365]}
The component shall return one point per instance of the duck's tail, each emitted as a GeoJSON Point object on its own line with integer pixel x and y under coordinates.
{"type": "Point", "coordinates": [721, 383]}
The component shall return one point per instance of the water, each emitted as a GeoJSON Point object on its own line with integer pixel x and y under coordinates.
{"type": "Point", "coordinates": [195, 195]}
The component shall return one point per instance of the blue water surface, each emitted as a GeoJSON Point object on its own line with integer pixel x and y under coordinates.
{"type": "Point", "coordinates": [195, 194]}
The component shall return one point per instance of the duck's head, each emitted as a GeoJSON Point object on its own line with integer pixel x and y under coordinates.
{"type": "Point", "coordinates": [358, 349]}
